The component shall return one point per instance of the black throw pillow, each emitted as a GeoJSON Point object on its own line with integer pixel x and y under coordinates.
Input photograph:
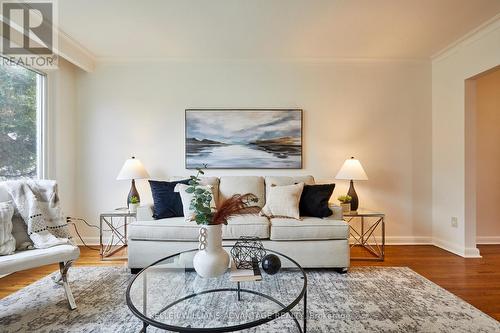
{"type": "Point", "coordinates": [167, 203]}
{"type": "Point", "coordinates": [314, 200]}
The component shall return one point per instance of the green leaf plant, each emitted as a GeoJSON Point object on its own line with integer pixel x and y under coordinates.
{"type": "Point", "coordinates": [202, 197]}
{"type": "Point", "coordinates": [345, 199]}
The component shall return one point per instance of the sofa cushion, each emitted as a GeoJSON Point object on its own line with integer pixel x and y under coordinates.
{"type": "Point", "coordinates": [231, 185]}
{"type": "Point", "coordinates": [246, 225]}
{"type": "Point", "coordinates": [177, 229]}
{"type": "Point", "coordinates": [38, 257]}
{"type": "Point", "coordinates": [309, 228]}
{"type": "Point", "coordinates": [285, 180]}
{"type": "Point", "coordinates": [173, 229]}
{"type": "Point", "coordinates": [212, 181]}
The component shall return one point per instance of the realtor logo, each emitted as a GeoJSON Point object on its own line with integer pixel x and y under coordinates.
{"type": "Point", "coordinates": [28, 33]}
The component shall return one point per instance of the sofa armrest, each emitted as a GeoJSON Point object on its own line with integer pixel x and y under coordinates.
{"type": "Point", "coordinates": [145, 213]}
{"type": "Point", "coordinates": [337, 212]}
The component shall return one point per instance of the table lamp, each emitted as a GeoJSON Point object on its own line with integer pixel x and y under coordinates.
{"type": "Point", "coordinates": [132, 169]}
{"type": "Point", "coordinates": [352, 170]}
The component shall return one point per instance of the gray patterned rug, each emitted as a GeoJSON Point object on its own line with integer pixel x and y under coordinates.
{"type": "Point", "coordinates": [367, 299]}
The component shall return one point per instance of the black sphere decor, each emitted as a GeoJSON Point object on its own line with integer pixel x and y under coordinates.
{"type": "Point", "coordinates": [271, 264]}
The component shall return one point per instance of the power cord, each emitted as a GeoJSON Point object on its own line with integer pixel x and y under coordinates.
{"type": "Point", "coordinates": [72, 221]}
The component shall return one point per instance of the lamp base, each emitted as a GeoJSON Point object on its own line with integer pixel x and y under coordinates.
{"type": "Point", "coordinates": [133, 193]}
{"type": "Point", "coordinates": [352, 193]}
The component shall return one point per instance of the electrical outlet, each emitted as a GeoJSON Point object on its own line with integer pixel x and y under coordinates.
{"type": "Point", "coordinates": [454, 222]}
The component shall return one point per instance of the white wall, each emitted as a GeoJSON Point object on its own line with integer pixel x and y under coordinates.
{"type": "Point", "coordinates": [379, 112]}
{"type": "Point", "coordinates": [61, 113]}
{"type": "Point", "coordinates": [488, 157]}
{"type": "Point", "coordinates": [476, 54]}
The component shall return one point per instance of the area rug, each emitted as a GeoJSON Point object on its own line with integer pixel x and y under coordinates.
{"type": "Point", "coordinates": [367, 299]}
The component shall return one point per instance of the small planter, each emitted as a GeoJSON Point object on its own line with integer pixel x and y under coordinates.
{"type": "Point", "coordinates": [346, 207]}
{"type": "Point", "coordinates": [211, 260]}
{"type": "Point", "coordinates": [132, 207]}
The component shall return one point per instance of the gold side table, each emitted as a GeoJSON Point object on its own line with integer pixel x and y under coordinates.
{"type": "Point", "coordinates": [364, 226]}
{"type": "Point", "coordinates": [114, 223]}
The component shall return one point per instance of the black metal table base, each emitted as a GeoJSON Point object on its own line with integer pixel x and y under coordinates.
{"type": "Point", "coordinates": [285, 309]}
{"type": "Point", "coordinates": [238, 290]}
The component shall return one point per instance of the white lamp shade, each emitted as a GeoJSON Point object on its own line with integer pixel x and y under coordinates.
{"type": "Point", "coordinates": [352, 170]}
{"type": "Point", "coordinates": [132, 169]}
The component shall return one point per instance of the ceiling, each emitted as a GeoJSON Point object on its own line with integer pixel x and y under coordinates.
{"type": "Point", "coordinates": [249, 29]}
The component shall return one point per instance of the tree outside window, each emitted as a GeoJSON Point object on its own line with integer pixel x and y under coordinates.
{"type": "Point", "coordinates": [19, 118]}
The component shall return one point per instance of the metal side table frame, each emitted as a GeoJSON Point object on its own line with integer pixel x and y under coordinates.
{"type": "Point", "coordinates": [118, 233]}
{"type": "Point", "coordinates": [365, 235]}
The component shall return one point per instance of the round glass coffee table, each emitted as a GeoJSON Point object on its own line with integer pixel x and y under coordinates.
{"type": "Point", "coordinates": [170, 295]}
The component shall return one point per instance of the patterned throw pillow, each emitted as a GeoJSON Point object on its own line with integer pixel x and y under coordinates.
{"type": "Point", "coordinates": [7, 241]}
{"type": "Point", "coordinates": [283, 201]}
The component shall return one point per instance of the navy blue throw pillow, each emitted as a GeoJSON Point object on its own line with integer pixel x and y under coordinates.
{"type": "Point", "coordinates": [314, 200]}
{"type": "Point", "coordinates": [167, 203]}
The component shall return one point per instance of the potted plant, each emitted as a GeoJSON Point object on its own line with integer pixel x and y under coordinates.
{"type": "Point", "coordinates": [212, 260]}
{"type": "Point", "coordinates": [133, 204]}
{"type": "Point", "coordinates": [345, 203]}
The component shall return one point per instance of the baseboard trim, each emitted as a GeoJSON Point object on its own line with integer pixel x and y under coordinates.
{"type": "Point", "coordinates": [472, 252]}
{"type": "Point", "coordinates": [459, 251]}
{"type": "Point", "coordinates": [91, 241]}
{"type": "Point", "coordinates": [488, 240]}
{"type": "Point", "coordinates": [401, 240]}
{"type": "Point", "coordinates": [389, 240]}
{"type": "Point", "coordinates": [450, 247]}
{"type": "Point", "coordinates": [408, 240]}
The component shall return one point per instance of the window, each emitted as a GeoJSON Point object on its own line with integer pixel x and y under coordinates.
{"type": "Point", "coordinates": [21, 119]}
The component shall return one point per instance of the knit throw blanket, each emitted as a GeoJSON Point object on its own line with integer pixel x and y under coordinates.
{"type": "Point", "coordinates": [37, 202]}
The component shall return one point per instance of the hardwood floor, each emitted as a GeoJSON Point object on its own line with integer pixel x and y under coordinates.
{"type": "Point", "coordinates": [13, 282]}
{"type": "Point", "coordinates": [477, 281]}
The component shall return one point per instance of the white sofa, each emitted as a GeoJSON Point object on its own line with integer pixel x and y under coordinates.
{"type": "Point", "coordinates": [312, 242]}
{"type": "Point", "coordinates": [64, 255]}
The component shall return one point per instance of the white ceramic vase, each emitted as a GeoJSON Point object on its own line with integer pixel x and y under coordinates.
{"type": "Point", "coordinates": [133, 207]}
{"type": "Point", "coordinates": [211, 260]}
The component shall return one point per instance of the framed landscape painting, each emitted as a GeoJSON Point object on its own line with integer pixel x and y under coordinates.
{"type": "Point", "coordinates": [244, 138]}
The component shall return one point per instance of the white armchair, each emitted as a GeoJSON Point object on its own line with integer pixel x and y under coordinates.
{"type": "Point", "coordinates": [26, 259]}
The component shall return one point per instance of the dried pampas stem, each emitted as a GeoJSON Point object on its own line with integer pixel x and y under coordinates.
{"type": "Point", "coordinates": [238, 204]}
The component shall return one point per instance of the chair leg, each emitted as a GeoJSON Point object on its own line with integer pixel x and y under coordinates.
{"type": "Point", "coordinates": [63, 279]}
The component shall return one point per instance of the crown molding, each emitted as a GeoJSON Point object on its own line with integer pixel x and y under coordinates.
{"type": "Point", "coordinates": [74, 52]}
{"type": "Point", "coordinates": [472, 36]}
{"type": "Point", "coordinates": [67, 48]}
{"type": "Point", "coordinates": [306, 60]}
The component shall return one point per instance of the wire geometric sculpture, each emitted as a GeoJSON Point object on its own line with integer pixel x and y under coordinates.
{"type": "Point", "coordinates": [247, 250]}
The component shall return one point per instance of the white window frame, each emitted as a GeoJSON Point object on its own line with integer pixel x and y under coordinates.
{"type": "Point", "coordinates": [42, 125]}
